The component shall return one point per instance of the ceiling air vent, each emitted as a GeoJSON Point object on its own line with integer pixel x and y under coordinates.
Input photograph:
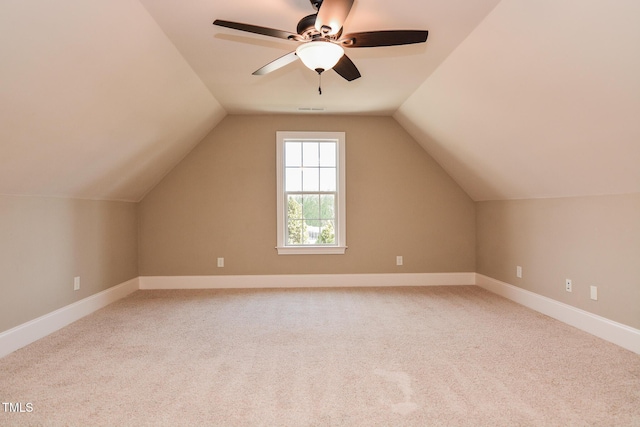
{"type": "Point", "coordinates": [311, 109]}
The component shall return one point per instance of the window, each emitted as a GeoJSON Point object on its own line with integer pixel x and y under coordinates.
{"type": "Point", "coordinates": [311, 193]}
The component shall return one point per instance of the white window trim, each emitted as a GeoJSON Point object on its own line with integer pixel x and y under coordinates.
{"type": "Point", "coordinates": [341, 217]}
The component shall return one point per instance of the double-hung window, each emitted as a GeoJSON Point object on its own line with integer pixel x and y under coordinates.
{"type": "Point", "coordinates": [311, 193]}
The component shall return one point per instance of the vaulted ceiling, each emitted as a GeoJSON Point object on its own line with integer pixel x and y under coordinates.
{"type": "Point", "coordinates": [514, 98]}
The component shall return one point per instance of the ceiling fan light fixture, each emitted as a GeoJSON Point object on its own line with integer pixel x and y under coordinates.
{"type": "Point", "coordinates": [320, 55]}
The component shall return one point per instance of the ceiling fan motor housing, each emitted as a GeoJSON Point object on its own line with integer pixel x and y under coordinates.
{"type": "Point", "coordinates": [307, 28]}
{"type": "Point", "coordinates": [307, 25]}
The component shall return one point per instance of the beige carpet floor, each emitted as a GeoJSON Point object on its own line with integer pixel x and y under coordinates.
{"type": "Point", "coordinates": [454, 356]}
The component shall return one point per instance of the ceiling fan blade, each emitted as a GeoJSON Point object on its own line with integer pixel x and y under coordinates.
{"type": "Point", "coordinates": [332, 15]}
{"type": "Point", "coordinates": [257, 30]}
{"type": "Point", "coordinates": [384, 38]}
{"type": "Point", "coordinates": [278, 63]}
{"type": "Point", "coordinates": [347, 69]}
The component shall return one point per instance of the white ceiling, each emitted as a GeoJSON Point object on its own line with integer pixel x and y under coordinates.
{"type": "Point", "coordinates": [515, 98]}
{"type": "Point", "coordinates": [541, 100]}
{"type": "Point", "coordinates": [225, 59]}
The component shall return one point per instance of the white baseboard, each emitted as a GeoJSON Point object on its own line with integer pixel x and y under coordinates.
{"type": "Point", "coordinates": [617, 333]}
{"type": "Point", "coordinates": [25, 334]}
{"type": "Point", "coordinates": [306, 281]}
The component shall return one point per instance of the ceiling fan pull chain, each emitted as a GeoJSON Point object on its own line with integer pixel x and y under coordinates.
{"type": "Point", "coordinates": [320, 83]}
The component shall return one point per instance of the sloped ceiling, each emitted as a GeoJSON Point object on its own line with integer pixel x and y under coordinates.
{"type": "Point", "coordinates": [515, 98]}
{"type": "Point", "coordinates": [95, 101]}
{"type": "Point", "coordinates": [541, 100]}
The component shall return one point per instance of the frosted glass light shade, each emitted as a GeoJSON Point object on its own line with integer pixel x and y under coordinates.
{"type": "Point", "coordinates": [320, 55]}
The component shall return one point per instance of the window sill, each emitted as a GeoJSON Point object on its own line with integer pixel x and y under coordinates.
{"type": "Point", "coordinates": [311, 250]}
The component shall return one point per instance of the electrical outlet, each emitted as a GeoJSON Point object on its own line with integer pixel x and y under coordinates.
{"type": "Point", "coordinates": [76, 283]}
{"type": "Point", "coordinates": [594, 293]}
{"type": "Point", "coordinates": [519, 272]}
{"type": "Point", "coordinates": [568, 285]}
{"type": "Point", "coordinates": [399, 260]}
{"type": "Point", "coordinates": [220, 262]}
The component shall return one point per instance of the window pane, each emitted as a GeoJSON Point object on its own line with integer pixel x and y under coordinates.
{"type": "Point", "coordinates": [310, 154]}
{"type": "Point", "coordinates": [313, 231]}
{"type": "Point", "coordinates": [294, 207]}
{"type": "Point", "coordinates": [296, 233]}
{"type": "Point", "coordinates": [293, 179]}
{"type": "Point", "coordinates": [327, 154]}
{"type": "Point", "coordinates": [293, 154]}
{"type": "Point", "coordinates": [310, 179]}
{"type": "Point", "coordinates": [327, 233]}
{"type": "Point", "coordinates": [296, 228]}
{"type": "Point", "coordinates": [311, 209]}
{"type": "Point", "coordinates": [310, 233]}
{"type": "Point", "coordinates": [328, 179]}
{"type": "Point", "coordinates": [327, 206]}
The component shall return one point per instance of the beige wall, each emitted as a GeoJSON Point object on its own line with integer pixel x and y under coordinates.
{"type": "Point", "coordinates": [590, 240]}
{"type": "Point", "coordinates": [46, 242]}
{"type": "Point", "coordinates": [220, 202]}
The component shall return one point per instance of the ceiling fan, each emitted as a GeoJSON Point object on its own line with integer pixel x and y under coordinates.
{"type": "Point", "coordinates": [322, 41]}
